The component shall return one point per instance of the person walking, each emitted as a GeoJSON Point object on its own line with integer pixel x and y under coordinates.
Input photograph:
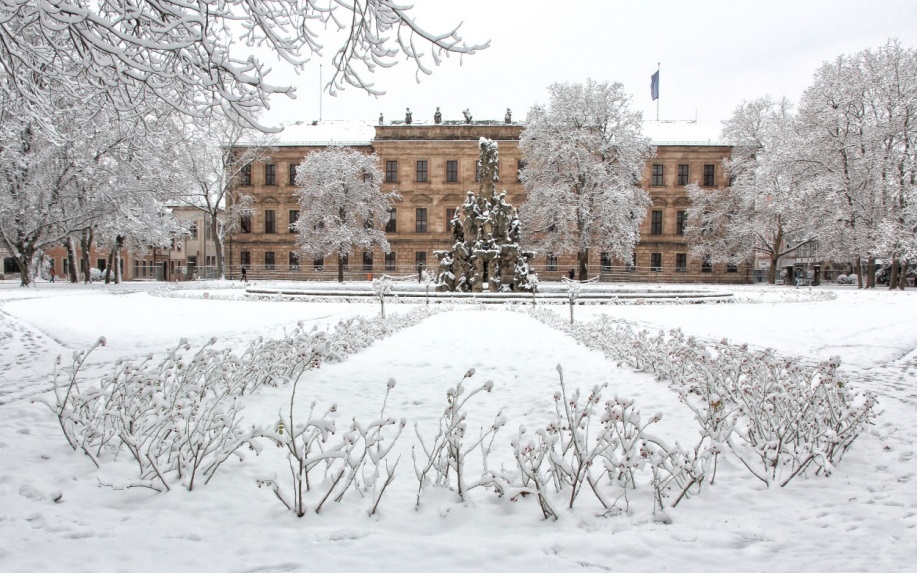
{"type": "Point", "coordinates": [570, 273]}
{"type": "Point", "coordinates": [244, 279]}
{"type": "Point", "coordinates": [53, 274]}
{"type": "Point", "coordinates": [419, 272]}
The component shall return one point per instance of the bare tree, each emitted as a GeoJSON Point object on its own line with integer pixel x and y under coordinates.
{"type": "Point", "coordinates": [341, 204]}
{"type": "Point", "coordinates": [584, 158]}
{"type": "Point", "coordinates": [215, 154]}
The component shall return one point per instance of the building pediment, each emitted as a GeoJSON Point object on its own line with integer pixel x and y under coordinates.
{"type": "Point", "coordinates": [421, 198]}
{"type": "Point", "coordinates": [270, 200]}
{"type": "Point", "coordinates": [453, 198]}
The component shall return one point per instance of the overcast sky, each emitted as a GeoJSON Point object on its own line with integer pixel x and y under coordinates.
{"type": "Point", "coordinates": [713, 54]}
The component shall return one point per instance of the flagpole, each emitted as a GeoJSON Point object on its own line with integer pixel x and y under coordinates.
{"type": "Point", "coordinates": [658, 91]}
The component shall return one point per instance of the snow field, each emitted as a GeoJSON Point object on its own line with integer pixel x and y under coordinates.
{"type": "Point", "coordinates": [864, 516]}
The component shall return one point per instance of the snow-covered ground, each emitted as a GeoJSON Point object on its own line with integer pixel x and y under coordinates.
{"type": "Point", "coordinates": [864, 517]}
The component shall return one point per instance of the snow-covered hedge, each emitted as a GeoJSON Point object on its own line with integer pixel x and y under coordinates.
{"type": "Point", "coordinates": [780, 417]}
{"type": "Point", "coordinates": [180, 415]}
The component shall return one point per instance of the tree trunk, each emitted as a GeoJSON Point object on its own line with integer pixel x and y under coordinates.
{"type": "Point", "coordinates": [893, 274]}
{"type": "Point", "coordinates": [871, 272]}
{"type": "Point", "coordinates": [902, 275]}
{"type": "Point", "coordinates": [218, 246]}
{"type": "Point", "coordinates": [582, 258]}
{"type": "Point", "coordinates": [111, 261]}
{"type": "Point", "coordinates": [340, 267]}
{"type": "Point", "coordinates": [24, 261]}
{"type": "Point", "coordinates": [772, 270]}
{"type": "Point", "coordinates": [71, 256]}
{"type": "Point", "coordinates": [86, 244]}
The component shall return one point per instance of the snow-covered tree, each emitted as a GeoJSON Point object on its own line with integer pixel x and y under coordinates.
{"type": "Point", "coordinates": [342, 206]}
{"type": "Point", "coordinates": [198, 57]}
{"type": "Point", "coordinates": [584, 157]}
{"type": "Point", "coordinates": [486, 235]}
{"type": "Point", "coordinates": [212, 161]}
{"type": "Point", "coordinates": [97, 178]}
{"type": "Point", "coordinates": [763, 210]}
{"type": "Point", "coordinates": [859, 117]}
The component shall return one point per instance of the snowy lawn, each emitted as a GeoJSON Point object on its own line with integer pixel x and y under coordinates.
{"type": "Point", "coordinates": [864, 517]}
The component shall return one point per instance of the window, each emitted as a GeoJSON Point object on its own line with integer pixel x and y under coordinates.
{"type": "Point", "coordinates": [605, 261]}
{"type": "Point", "coordinates": [270, 221]}
{"type": "Point", "coordinates": [452, 171]}
{"type": "Point", "coordinates": [208, 229]}
{"type": "Point", "coordinates": [367, 260]}
{"type": "Point", "coordinates": [682, 174]}
{"type": "Point", "coordinates": [422, 171]}
{"type": "Point", "coordinates": [270, 174]}
{"type": "Point", "coordinates": [420, 258]}
{"type": "Point", "coordinates": [269, 260]}
{"type": "Point", "coordinates": [709, 171]}
{"type": "Point", "coordinates": [732, 268]}
{"type": "Point", "coordinates": [706, 266]}
{"type": "Point", "coordinates": [421, 221]}
{"type": "Point", "coordinates": [192, 230]}
{"type": "Point", "coordinates": [391, 226]}
{"type": "Point", "coordinates": [655, 261]}
{"type": "Point", "coordinates": [477, 171]}
{"type": "Point", "coordinates": [293, 167]}
{"type": "Point", "coordinates": [245, 223]}
{"type": "Point", "coordinates": [681, 217]}
{"type": "Point", "coordinates": [656, 223]}
{"type": "Point", "coordinates": [658, 180]}
{"type": "Point", "coordinates": [245, 258]}
{"type": "Point", "coordinates": [390, 261]}
{"type": "Point", "coordinates": [681, 262]}
{"type": "Point", "coordinates": [245, 176]}
{"type": "Point", "coordinates": [318, 263]}
{"type": "Point", "coordinates": [294, 216]}
{"type": "Point", "coordinates": [391, 171]}
{"type": "Point", "coordinates": [100, 264]}
{"type": "Point", "coordinates": [520, 165]}
{"type": "Point", "coordinates": [551, 262]}
{"type": "Point", "coordinates": [450, 214]}
{"type": "Point", "coordinates": [294, 261]}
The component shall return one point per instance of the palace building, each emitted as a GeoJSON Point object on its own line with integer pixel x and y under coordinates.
{"type": "Point", "coordinates": [433, 166]}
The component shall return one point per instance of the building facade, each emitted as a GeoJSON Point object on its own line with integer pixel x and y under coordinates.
{"type": "Point", "coordinates": [433, 167]}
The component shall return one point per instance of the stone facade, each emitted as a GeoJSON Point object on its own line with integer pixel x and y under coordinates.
{"type": "Point", "coordinates": [433, 167]}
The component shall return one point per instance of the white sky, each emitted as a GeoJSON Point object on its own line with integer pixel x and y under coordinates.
{"type": "Point", "coordinates": [713, 54]}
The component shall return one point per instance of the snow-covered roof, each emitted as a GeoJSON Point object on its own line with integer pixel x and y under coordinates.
{"type": "Point", "coordinates": [680, 132]}
{"type": "Point", "coordinates": [321, 133]}
{"type": "Point", "coordinates": [325, 133]}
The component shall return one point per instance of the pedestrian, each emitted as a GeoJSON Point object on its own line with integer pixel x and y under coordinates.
{"type": "Point", "coordinates": [244, 278]}
{"type": "Point", "coordinates": [419, 272]}
{"type": "Point", "coordinates": [53, 274]}
{"type": "Point", "coordinates": [570, 273]}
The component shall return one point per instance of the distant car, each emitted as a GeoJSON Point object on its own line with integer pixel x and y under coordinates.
{"type": "Point", "coordinates": [95, 275]}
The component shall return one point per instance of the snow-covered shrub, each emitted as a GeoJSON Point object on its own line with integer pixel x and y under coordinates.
{"type": "Point", "coordinates": [841, 279]}
{"type": "Point", "coordinates": [779, 416]}
{"type": "Point", "coordinates": [352, 460]}
{"type": "Point", "coordinates": [442, 461]}
{"type": "Point", "coordinates": [179, 416]}
{"type": "Point", "coordinates": [600, 446]}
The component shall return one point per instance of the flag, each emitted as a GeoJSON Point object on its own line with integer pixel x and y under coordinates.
{"type": "Point", "coordinates": [654, 86]}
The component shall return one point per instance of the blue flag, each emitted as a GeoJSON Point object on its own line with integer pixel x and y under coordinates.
{"type": "Point", "coordinates": [654, 85]}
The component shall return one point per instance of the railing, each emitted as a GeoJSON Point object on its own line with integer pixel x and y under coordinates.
{"type": "Point", "coordinates": [409, 273]}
